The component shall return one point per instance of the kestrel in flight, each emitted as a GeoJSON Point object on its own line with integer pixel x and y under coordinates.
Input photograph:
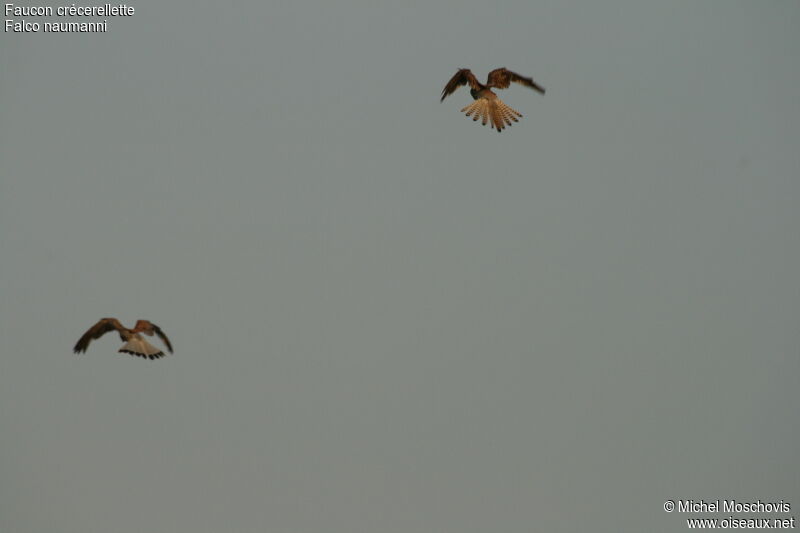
{"type": "Point", "coordinates": [135, 344]}
{"type": "Point", "coordinates": [487, 106]}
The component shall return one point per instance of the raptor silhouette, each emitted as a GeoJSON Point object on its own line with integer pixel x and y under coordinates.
{"type": "Point", "coordinates": [135, 344]}
{"type": "Point", "coordinates": [487, 106]}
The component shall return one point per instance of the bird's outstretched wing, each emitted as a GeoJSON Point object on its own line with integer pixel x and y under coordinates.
{"type": "Point", "coordinates": [501, 78]}
{"type": "Point", "coordinates": [462, 77]}
{"type": "Point", "coordinates": [148, 328]}
{"type": "Point", "coordinates": [162, 336]}
{"type": "Point", "coordinates": [103, 326]}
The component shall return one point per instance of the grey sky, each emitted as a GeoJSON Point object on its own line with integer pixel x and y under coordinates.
{"type": "Point", "coordinates": [386, 317]}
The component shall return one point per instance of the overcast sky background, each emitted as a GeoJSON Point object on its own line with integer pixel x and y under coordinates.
{"type": "Point", "coordinates": [387, 318]}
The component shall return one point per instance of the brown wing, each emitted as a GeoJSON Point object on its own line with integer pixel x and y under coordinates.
{"type": "Point", "coordinates": [501, 78]}
{"type": "Point", "coordinates": [161, 336]}
{"type": "Point", "coordinates": [462, 77]}
{"type": "Point", "coordinates": [148, 328]}
{"type": "Point", "coordinates": [103, 326]}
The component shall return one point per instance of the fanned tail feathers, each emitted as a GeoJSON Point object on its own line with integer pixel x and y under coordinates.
{"type": "Point", "coordinates": [494, 111]}
{"type": "Point", "coordinates": [141, 348]}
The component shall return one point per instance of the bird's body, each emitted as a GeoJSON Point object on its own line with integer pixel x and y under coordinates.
{"type": "Point", "coordinates": [487, 106]}
{"type": "Point", "coordinates": [484, 92]}
{"type": "Point", "coordinates": [135, 344]}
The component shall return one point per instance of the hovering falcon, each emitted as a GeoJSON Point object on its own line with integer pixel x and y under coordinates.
{"type": "Point", "coordinates": [487, 106]}
{"type": "Point", "coordinates": [135, 344]}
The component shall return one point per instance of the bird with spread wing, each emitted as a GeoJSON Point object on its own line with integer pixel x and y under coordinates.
{"type": "Point", "coordinates": [487, 106]}
{"type": "Point", "coordinates": [135, 344]}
